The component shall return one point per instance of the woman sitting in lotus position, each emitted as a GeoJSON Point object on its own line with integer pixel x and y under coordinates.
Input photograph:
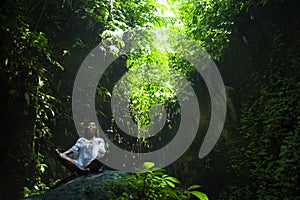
{"type": "Point", "coordinates": [87, 150]}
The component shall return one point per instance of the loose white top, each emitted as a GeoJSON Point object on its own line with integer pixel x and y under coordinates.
{"type": "Point", "coordinates": [87, 150]}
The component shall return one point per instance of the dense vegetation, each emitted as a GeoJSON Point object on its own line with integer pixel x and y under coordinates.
{"type": "Point", "coordinates": [254, 43]}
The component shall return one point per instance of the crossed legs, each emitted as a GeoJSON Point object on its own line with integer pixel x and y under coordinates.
{"type": "Point", "coordinates": [70, 164]}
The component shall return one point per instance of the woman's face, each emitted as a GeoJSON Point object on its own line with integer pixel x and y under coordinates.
{"type": "Point", "coordinates": [91, 129]}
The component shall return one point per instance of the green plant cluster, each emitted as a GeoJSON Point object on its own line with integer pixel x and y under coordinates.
{"type": "Point", "coordinates": [156, 184]}
{"type": "Point", "coordinates": [149, 184]}
{"type": "Point", "coordinates": [210, 22]}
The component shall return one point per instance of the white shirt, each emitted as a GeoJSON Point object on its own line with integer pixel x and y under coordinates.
{"type": "Point", "coordinates": [87, 150]}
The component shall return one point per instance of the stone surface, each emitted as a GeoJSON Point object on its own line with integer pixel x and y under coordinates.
{"type": "Point", "coordinates": [104, 185]}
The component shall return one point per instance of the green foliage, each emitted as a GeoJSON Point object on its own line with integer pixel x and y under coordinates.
{"type": "Point", "coordinates": [148, 79]}
{"type": "Point", "coordinates": [267, 153]}
{"type": "Point", "coordinates": [154, 184]}
{"type": "Point", "coordinates": [121, 185]}
{"type": "Point", "coordinates": [271, 126]}
{"type": "Point", "coordinates": [27, 64]}
{"type": "Point", "coordinates": [40, 39]}
{"type": "Point", "coordinates": [152, 78]}
{"type": "Point", "coordinates": [34, 37]}
{"type": "Point", "coordinates": [210, 22]}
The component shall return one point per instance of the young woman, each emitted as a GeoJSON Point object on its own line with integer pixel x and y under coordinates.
{"type": "Point", "coordinates": [87, 150]}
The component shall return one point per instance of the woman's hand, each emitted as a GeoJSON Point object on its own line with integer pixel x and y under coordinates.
{"type": "Point", "coordinates": [57, 151]}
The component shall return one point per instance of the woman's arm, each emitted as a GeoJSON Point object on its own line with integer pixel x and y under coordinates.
{"type": "Point", "coordinates": [73, 149]}
{"type": "Point", "coordinates": [68, 152]}
{"type": "Point", "coordinates": [64, 153]}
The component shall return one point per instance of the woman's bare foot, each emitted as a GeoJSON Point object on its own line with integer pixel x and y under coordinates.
{"type": "Point", "coordinates": [84, 171]}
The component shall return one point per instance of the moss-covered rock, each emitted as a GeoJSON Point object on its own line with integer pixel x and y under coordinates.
{"type": "Point", "coordinates": [103, 185]}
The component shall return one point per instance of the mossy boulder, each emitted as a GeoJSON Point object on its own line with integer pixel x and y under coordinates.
{"type": "Point", "coordinates": [104, 185]}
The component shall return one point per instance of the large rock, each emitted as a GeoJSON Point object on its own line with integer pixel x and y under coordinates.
{"type": "Point", "coordinates": [105, 185]}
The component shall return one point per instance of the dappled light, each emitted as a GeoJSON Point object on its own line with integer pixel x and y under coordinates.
{"type": "Point", "coordinates": [201, 95]}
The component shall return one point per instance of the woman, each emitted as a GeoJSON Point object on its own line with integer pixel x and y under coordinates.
{"type": "Point", "coordinates": [87, 150]}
